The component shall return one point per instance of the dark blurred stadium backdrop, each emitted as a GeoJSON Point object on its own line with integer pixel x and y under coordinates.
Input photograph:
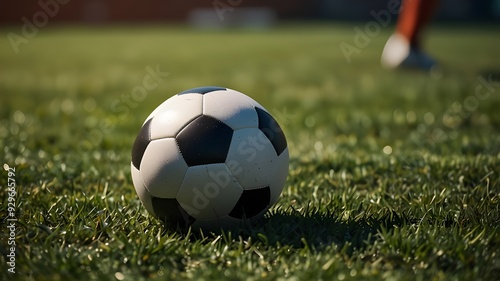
{"type": "Point", "coordinates": [203, 12]}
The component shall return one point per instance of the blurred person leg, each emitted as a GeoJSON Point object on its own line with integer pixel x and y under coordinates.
{"type": "Point", "coordinates": [403, 49]}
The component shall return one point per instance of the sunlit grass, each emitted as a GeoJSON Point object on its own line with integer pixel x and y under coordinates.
{"type": "Point", "coordinates": [392, 175]}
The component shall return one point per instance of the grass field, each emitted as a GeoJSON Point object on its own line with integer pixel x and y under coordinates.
{"type": "Point", "coordinates": [393, 176]}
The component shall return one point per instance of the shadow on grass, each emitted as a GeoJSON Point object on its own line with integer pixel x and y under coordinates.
{"type": "Point", "coordinates": [314, 230]}
{"type": "Point", "coordinates": [305, 228]}
{"type": "Point", "coordinates": [318, 230]}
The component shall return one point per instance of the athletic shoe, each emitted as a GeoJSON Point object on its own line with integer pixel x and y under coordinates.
{"type": "Point", "coordinates": [398, 53]}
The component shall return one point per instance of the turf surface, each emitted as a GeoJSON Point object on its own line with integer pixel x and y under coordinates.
{"type": "Point", "coordinates": [392, 175]}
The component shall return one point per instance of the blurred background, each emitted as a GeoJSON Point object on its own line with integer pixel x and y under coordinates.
{"type": "Point", "coordinates": [199, 11]}
{"type": "Point", "coordinates": [67, 64]}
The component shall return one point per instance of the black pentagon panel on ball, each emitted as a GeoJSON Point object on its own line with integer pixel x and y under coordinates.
{"type": "Point", "coordinates": [171, 212]}
{"type": "Point", "coordinates": [205, 140]}
{"type": "Point", "coordinates": [272, 130]}
{"type": "Point", "coordinates": [141, 143]}
{"type": "Point", "coordinates": [251, 203]}
{"type": "Point", "coordinates": [202, 90]}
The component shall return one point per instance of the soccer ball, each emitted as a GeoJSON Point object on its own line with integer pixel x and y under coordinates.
{"type": "Point", "coordinates": [209, 158]}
